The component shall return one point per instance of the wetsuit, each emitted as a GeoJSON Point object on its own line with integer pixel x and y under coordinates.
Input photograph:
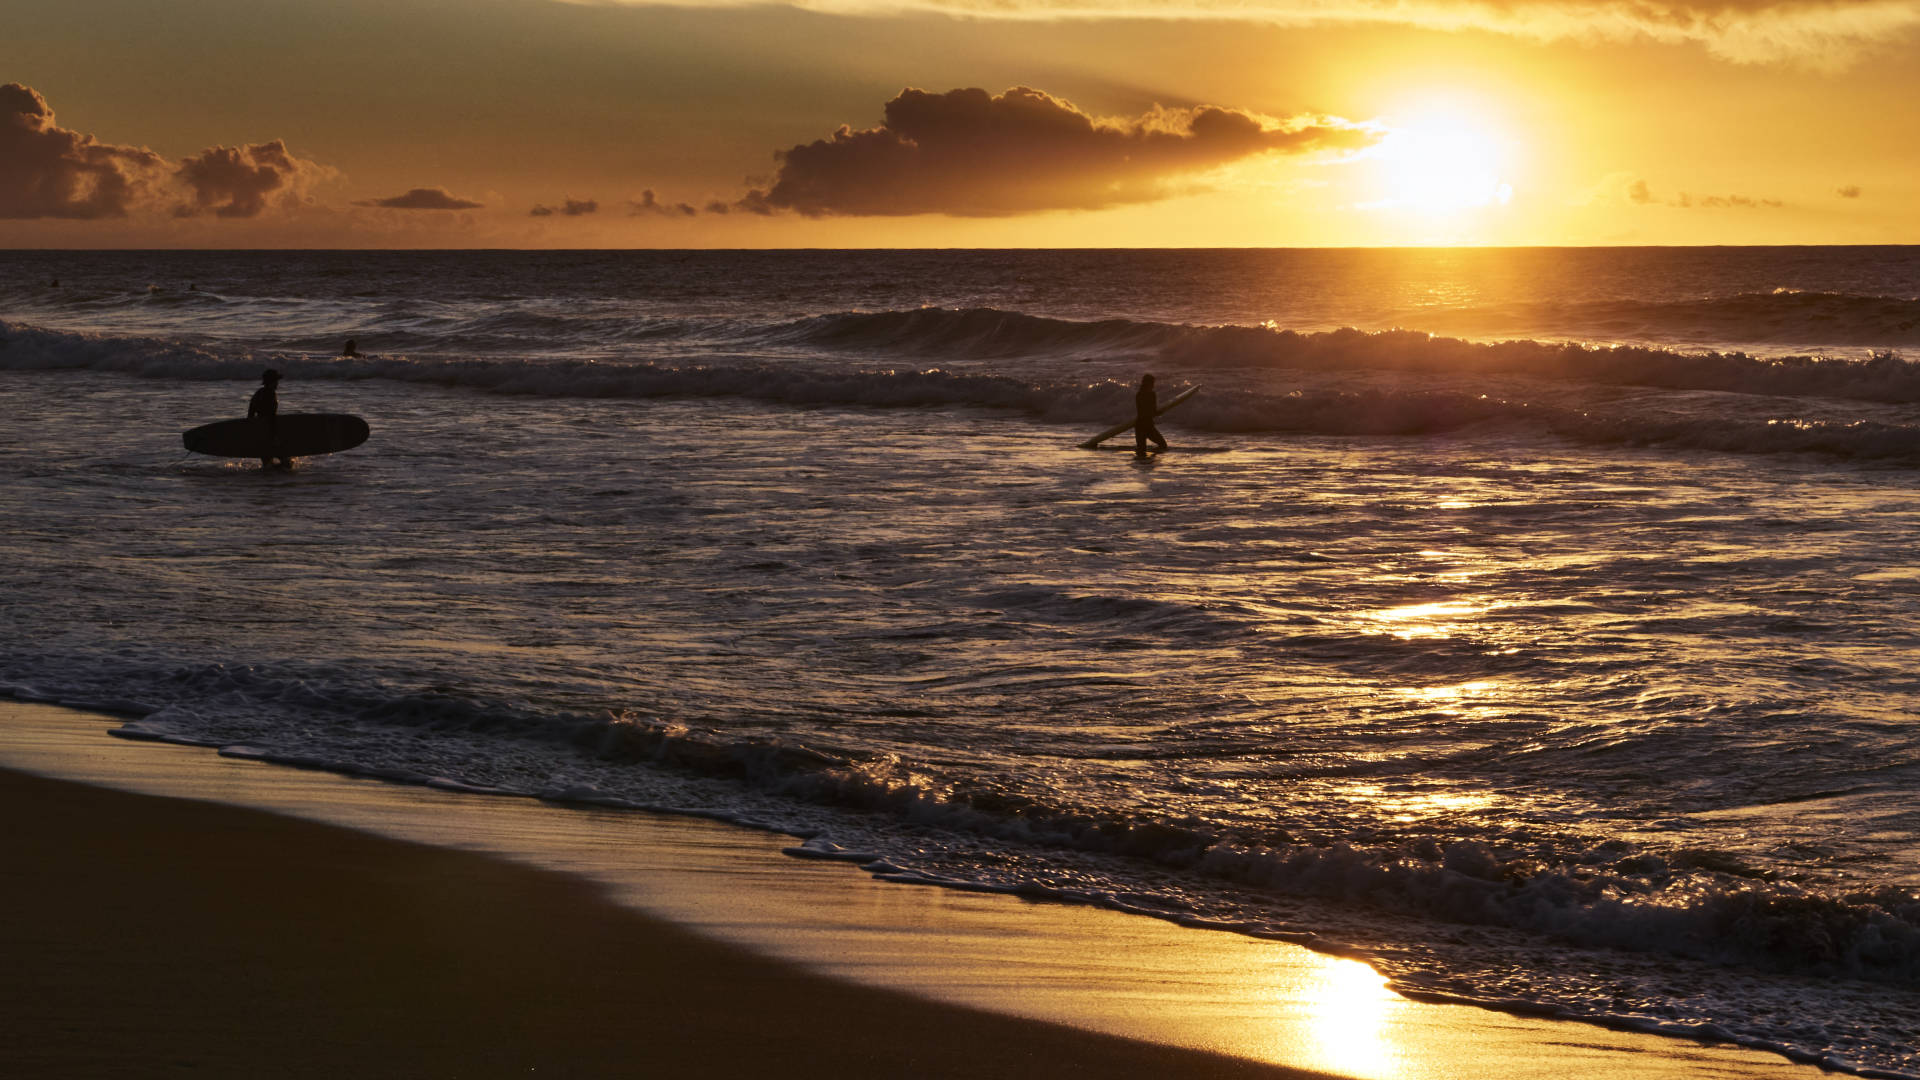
{"type": "Point", "coordinates": [1145, 406]}
{"type": "Point", "coordinates": [266, 405]}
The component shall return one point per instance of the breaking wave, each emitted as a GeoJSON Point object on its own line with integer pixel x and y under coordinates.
{"type": "Point", "coordinates": [989, 333]}
{"type": "Point", "coordinates": [1698, 904]}
{"type": "Point", "coordinates": [1259, 381]}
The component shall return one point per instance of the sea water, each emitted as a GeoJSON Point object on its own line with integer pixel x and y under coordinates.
{"type": "Point", "coordinates": [1538, 625]}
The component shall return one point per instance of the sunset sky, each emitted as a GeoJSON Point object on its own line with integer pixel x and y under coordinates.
{"type": "Point", "coordinates": [958, 123]}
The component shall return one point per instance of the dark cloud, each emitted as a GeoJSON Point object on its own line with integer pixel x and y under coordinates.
{"type": "Point", "coordinates": [1638, 192]}
{"type": "Point", "coordinates": [237, 181]}
{"type": "Point", "coordinates": [423, 198]}
{"type": "Point", "coordinates": [969, 153]}
{"type": "Point", "coordinates": [1851, 191]}
{"type": "Point", "coordinates": [49, 171]}
{"type": "Point", "coordinates": [646, 204]}
{"type": "Point", "coordinates": [570, 207]}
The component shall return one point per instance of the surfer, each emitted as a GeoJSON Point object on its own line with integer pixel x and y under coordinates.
{"type": "Point", "coordinates": [265, 405]}
{"type": "Point", "coordinates": [1146, 406]}
{"type": "Point", "coordinates": [351, 348]}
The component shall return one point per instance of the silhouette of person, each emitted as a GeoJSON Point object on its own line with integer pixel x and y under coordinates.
{"type": "Point", "coordinates": [350, 348]}
{"type": "Point", "coordinates": [265, 405]}
{"type": "Point", "coordinates": [1146, 405]}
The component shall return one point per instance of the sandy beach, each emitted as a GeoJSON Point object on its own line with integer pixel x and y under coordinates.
{"type": "Point", "coordinates": [161, 937]}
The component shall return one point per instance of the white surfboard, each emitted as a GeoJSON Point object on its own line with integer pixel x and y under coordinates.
{"type": "Point", "coordinates": [1094, 443]}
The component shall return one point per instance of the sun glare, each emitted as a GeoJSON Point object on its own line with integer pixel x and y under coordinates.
{"type": "Point", "coordinates": [1442, 160]}
{"type": "Point", "coordinates": [1350, 1008]}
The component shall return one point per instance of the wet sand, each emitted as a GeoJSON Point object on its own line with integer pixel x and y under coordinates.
{"type": "Point", "coordinates": [150, 936]}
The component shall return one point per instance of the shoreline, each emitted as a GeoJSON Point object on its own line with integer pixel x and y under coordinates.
{"type": "Point", "coordinates": [628, 925]}
{"type": "Point", "coordinates": [291, 948]}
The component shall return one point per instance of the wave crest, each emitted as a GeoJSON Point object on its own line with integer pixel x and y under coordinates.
{"type": "Point", "coordinates": [1251, 400]}
{"type": "Point", "coordinates": [1700, 905]}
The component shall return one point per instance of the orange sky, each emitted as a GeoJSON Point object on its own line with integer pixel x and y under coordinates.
{"type": "Point", "coordinates": [534, 123]}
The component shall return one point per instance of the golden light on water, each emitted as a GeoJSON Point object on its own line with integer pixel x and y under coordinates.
{"type": "Point", "coordinates": [1457, 699]}
{"type": "Point", "coordinates": [1405, 806]}
{"type": "Point", "coordinates": [1458, 692]}
{"type": "Point", "coordinates": [1431, 620]}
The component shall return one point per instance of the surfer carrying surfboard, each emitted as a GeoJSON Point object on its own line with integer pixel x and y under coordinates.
{"type": "Point", "coordinates": [1146, 406]}
{"type": "Point", "coordinates": [265, 405]}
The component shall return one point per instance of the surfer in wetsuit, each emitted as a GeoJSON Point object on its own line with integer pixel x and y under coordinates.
{"type": "Point", "coordinates": [1146, 405]}
{"type": "Point", "coordinates": [265, 405]}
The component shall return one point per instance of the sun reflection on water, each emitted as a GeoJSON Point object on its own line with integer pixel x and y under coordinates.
{"type": "Point", "coordinates": [1466, 691]}
{"type": "Point", "coordinates": [1431, 620]}
{"type": "Point", "coordinates": [1348, 1005]}
{"type": "Point", "coordinates": [1475, 697]}
{"type": "Point", "coordinates": [1416, 805]}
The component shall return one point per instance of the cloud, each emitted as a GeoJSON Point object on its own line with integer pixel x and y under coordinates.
{"type": "Point", "coordinates": [967, 153]}
{"type": "Point", "coordinates": [571, 208]}
{"type": "Point", "coordinates": [423, 198]}
{"type": "Point", "coordinates": [49, 171]}
{"type": "Point", "coordinates": [1635, 190]}
{"type": "Point", "coordinates": [1724, 201]}
{"type": "Point", "coordinates": [1626, 187]}
{"type": "Point", "coordinates": [1851, 191]}
{"type": "Point", "coordinates": [1821, 33]}
{"type": "Point", "coordinates": [646, 204]}
{"type": "Point", "coordinates": [236, 181]}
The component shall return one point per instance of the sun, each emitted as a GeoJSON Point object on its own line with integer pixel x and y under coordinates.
{"type": "Point", "coordinates": [1441, 159]}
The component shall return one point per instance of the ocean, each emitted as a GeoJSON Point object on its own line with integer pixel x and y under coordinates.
{"type": "Point", "coordinates": [1539, 625]}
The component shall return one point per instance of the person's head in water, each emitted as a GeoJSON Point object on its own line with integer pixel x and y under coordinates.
{"type": "Point", "coordinates": [351, 348]}
{"type": "Point", "coordinates": [269, 377]}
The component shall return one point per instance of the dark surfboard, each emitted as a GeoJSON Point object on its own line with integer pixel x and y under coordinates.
{"type": "Point", "coordinates": [295, 435]}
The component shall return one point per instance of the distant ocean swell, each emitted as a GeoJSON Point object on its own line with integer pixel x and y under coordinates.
{"type": "Point", "coordinates": [1691, 903]}
{"type": "Point", "coordinates": [1787, 316]}
{"type": "Point", "coordinates": [1382, 407]}
{"type": "Point", "coordinates": [30, 348]}
{"type": "Point", "coordinates": [988, 333]}
{"type": "Point", "coordinates": [1783, 315]}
